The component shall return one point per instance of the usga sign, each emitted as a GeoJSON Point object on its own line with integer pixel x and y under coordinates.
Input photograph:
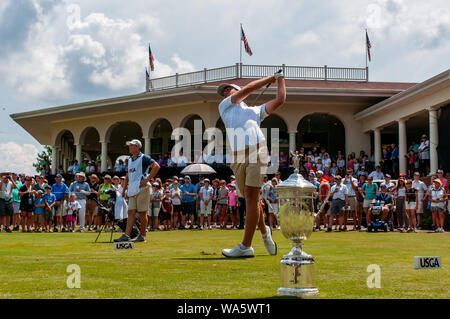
{"type": "Point", "coordinates": [421, 262]}
{"type": "Point", "coordinates": [124, 245]}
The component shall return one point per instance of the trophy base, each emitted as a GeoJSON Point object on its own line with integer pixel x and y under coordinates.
{"type": "Point", "coordinates": [298, 292]}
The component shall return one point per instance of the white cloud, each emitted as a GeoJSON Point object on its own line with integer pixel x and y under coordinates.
{"type": "Point", "coordinates": [17, 158]}
{"type": "Point", "coordinates": [63, 58]}
{"type": "Point", "coordinates": [307, 38]}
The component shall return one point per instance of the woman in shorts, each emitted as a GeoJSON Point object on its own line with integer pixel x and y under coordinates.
{"type": "Point", "coordinates": [438, 197]}
{"type": "Point", "coordinates": [369, 192]}
{"type": "Point", "coordinates": [155, 207]}
{"type": "Point", "coordinates": [175, 195]}
{"type": "Point", "coordinates": [91, 205]}
{"type": "Point", "coordinates": [411, 203]}
{"type": "Point", "coordinates": [222, 204]}
{"type": "Point", "coordinates": [27, 197]}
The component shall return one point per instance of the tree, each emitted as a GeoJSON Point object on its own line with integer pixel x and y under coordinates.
{"type": "Point", "coordinates": [43, 158]}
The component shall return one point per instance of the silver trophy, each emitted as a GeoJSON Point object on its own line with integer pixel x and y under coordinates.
{"type": "Point", "coordinates": [296, 197]}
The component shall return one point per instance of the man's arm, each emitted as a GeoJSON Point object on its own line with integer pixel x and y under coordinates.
{"type": "Point", "coordinates": [154, 170]}
{"type": "Point", "coordinates": [242, 94]}
{"type": "Point", "coordinates": [272, 105]}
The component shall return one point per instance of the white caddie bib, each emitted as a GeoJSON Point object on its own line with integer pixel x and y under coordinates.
{"type": "Point", "coordinates": [135, 175]}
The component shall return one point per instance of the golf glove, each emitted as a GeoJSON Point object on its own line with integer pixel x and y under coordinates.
{"type": "Point", "coordinates": [279, 74]}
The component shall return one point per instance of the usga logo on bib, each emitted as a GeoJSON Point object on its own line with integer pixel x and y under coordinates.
{"type": "Point", "coordinates": [124, 245]}
{"type": "Point", "coordinates": [421, 262]}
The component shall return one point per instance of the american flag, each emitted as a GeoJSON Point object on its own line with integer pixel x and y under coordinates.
{"type": "Point", "coordinates": [150, 55]}
{"type": "Point", "coordinates": [148, 81]}
{"type": "Point", "coordinates": [247, 47]}
{"type": "Point", "coordinates": [368, 45]}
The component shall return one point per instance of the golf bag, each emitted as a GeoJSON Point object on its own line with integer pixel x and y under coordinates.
{"type": "Point", "coordinates": [107, 210]}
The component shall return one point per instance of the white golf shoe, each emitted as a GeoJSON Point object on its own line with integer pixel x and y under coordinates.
{"type": "Point", "coordinates": [271, 246]}
{"type": "Point", "coordinates": [239, 252]}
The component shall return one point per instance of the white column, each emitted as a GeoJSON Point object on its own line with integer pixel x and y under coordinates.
{"type": "Point", "coordinates": [434, 140]}
{"type": "Point", "coordinates": [377, 145]}
{"type": "Point", "coordinates": [104, 155]}
{"type": "Point", "coordinates": [402, 146]}
{"type": "Point", "coordinates": [147, 145]}
{"type": "Point", "coordinates": [78, 153]}
{"type": "Point", "coordinates": [292, 141]}
{"type": "Point", "coordinates": [54, 159]}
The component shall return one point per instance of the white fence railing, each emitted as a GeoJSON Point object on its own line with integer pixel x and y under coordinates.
{"type": "Point", "coordinates": [247, 71]}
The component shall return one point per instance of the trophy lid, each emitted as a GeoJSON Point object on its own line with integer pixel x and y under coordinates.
{"type": "Point", "coordinates": [297, 181]}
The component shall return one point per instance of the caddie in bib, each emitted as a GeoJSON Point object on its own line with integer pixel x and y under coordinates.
{"type": "Point", "coordinates": [137, 188]}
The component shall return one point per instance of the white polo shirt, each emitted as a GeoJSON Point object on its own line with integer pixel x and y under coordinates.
{"type": "Point", "coordinates": [241, 119]}
{"type": "Point", "coordinates": [342, 191]}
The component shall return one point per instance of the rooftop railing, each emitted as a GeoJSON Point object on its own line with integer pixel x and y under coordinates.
{"type": "Point", "coordinates": [247, 71]}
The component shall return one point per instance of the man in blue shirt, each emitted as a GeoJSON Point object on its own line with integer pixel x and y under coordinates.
{"type": "Point", "coordinates": [385, 199]}
{"type": "Point", "coordinates": [80, 187]}
{"type": "Point", "coordinates": [394, 159]}
{"type": "Point", "coordinates": [61, 192]}
{"type": "Point", "coordinates": [188, 191]}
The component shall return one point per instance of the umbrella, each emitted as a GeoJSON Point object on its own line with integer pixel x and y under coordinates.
{"type": "Point", "coordinates": [198, 169]}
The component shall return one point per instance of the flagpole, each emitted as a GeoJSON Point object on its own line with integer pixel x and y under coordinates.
{"type": "Point", "coordinates": [240, 44]}
{"type": "Point", "coordinates": [367, 48]}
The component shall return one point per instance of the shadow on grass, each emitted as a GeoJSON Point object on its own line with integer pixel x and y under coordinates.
{"type": "Point", "coordinates": [215, 258]}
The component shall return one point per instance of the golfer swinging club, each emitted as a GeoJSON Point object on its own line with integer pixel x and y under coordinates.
{"type": "Point", "coordinates": [237, 116]}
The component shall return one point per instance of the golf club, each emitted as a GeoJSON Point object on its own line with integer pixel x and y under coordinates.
{"type": "Point", "coordinates": [267, 86]}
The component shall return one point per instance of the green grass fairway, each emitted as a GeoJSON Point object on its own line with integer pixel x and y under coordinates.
{"type": "Point", "coordinates": [189, 264]}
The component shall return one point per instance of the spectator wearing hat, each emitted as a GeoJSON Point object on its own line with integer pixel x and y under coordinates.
{"type": "Point", "coordinates": [155, 206]}
{"type": "Point", "coordinates": [438, 197]}
{"type": "Point", "coordinates": [16, 201]}
{"type": "Point", "coordinates": [352, 186]}
{"type": "Point", "coordinates": [188, 202]}
{"type": "Point", "coordinates": [339, 195]}
{"type": "Point", "coordinates": [7, 185]}
{"type": "Point", "coordinates": [206, 193]}
{"type": "Point", "coordinates": [440, 174]}
{"type": "Point", "coordinates": [49, 209]}
{"type": "Point", "coordinates": [104, 196]}
{"type": "Point", "coordinates": [39, 207]}
{"type": "Point", "coordinates": [84, 165]}
{"type": "Point", "coordinates": [61, 192]}
{"type": "Point", "coordinates": [94, 221]}
{"type": "Point", "coordinates": [137, 186]}
{"type": "Point", "coordinates": [232, 206]}
{"type": "Point", "coordinates": [80, 187]}
{"type": "Point", "coordinates": [421, 189]}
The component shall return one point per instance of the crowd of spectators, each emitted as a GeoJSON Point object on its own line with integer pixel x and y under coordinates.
{"type": "Point", "coordinates": [29, 203]}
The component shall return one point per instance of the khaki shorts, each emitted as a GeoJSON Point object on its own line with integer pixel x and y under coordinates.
{"type": "Point", "coordinates": [91, 207]}
{"type": "Point", "coordinates": [59, 210]}
{"type": "Point", "coordinates": [141, 201]}
{"type": "Point", "coordinates": [419, 207]}
{"type": "Point", "coordinates": [250, 173]}
{"type": "Point", "coordinates": [352, 203]}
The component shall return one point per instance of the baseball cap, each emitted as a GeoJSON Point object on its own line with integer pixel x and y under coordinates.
{"type": "Point", "coordinates": [187, 177]}
{"type": "Point", "coordinates": [80, 174]}
{"type": "Point", "coordinates": [319, 172]}
{"type": "Point", "coordinates": [47, 187]}
{"type": "Point", "coordinates": [134, 142]}
{"type": "Point", "coordinates": [59, 175]}
{"type": "Point", "coordinates": [206, 180]}
{"type": "Point", "coordinates": [223, 86]}
{"type": "Point", "coordinates": [40, 192]}
{"type": "Point", "coordinates": [107, 177]}
{"type": "Point", "coordinates": [234, 177]}
{"type": "Point", "coordinates": [402, 175]}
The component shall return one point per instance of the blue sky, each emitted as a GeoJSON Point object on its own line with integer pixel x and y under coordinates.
{"type": "Point", "coordinates": [61, 52]}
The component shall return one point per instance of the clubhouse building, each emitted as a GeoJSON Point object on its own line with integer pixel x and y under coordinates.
{"type": "Point", "coordinates": [335, 108]}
